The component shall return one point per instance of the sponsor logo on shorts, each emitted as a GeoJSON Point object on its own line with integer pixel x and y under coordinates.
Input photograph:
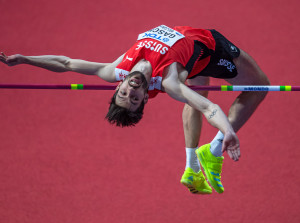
{"type": "Point", "coordinates": [227, 64]}
{"type": "Point", "coordinates": [233, 48]}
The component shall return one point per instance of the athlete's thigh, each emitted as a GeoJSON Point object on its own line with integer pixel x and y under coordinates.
{"type": "Point", "coordinates": [199, 81]}
{"type": "Point", "coordinates": [249, 73]}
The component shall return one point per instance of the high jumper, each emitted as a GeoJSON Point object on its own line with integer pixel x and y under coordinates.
{"type": "Point", "coordinates": [169, 60]}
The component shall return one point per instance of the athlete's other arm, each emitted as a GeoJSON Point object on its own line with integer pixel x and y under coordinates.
{"type": "Point", "coordinates": [62, 64]}
{"type": "Point", "coordinates": [173, 86]}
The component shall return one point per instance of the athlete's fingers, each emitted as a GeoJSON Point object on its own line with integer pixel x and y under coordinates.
{"type": "Point", "coordinates": [233, 154]}
{"type": "Point", "coordinates": [236, 151]}
{"type": "Point", "coordinates": [236, 158]}
{"type": "Point", "coordinates": [239, 152]}
{"type": "Point", "coordinates": [230, 154]}
{"type": "Point", "coordinates": [3, 59]}
{"type": "Point", "coordinates": [3, 55]}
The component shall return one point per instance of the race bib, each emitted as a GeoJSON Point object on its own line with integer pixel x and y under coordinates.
{"type": "Point", "coordinates": [163, 34]}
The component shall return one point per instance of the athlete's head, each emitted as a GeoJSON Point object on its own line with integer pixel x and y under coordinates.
{"type": "Point", "coordinates": [127, 104]}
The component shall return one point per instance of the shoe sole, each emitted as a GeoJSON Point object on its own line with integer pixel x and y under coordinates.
{"type": "Point", "coordinates": [208, 175]}
{"type": "Point", "coordinates": [193, 190]}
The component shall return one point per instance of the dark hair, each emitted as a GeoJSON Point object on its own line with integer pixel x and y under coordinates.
{"type": "Point", "coordinates": [122, 116]}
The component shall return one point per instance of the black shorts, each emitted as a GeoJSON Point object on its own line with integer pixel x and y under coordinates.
{"type": "Point", "coordinates": [221, 64]}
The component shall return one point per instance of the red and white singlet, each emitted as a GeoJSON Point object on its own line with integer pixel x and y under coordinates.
{"type": "Point", "coordinates": [162, 46]}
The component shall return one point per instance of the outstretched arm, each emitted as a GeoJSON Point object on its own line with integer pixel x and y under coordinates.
{"type": "Point", "coordinates": [62, 64]}
{"type": "Point", "coordinates": [213, 113]}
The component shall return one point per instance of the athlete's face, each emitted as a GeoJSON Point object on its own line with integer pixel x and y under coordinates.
{"type": "Point", "coordinates": [132, 92]}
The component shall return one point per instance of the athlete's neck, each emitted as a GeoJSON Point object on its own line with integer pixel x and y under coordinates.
{"type": "Point", "coordinates": [145, 67]}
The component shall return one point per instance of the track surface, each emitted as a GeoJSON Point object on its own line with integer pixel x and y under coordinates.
{"type": "Point", "coordinates": [61, 162]}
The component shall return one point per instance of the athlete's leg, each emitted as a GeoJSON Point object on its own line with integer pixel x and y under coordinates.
{"type": "Point", "coordinates": [192, 118]}
{"type": "Point", "coordinates": [192, 123]}
{"type": "Point", "coordinates": [246, 103]}
{"type": "Point", "coordinates": [193, 177]}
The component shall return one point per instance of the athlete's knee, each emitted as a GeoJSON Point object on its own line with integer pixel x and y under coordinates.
{"type": "Point", "coordinates": [254, 96]}
{"type": "Point", "coordinates": [265, 82]}
{"type": "Point", "coordinates": [261, 95]}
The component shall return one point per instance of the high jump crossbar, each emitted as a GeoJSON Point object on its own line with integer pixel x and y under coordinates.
{"type": "Point", "coordinates": [112, 87]}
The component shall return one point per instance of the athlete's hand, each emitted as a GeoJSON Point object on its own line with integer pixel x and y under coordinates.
{"type": "Point", "coordinates": [12, 60]}
{"type": "Point", "coordinates": [231, 144]}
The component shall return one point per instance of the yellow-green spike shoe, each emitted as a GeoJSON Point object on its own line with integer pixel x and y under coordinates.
{"type": "Point", "coordinates": [195, 182]}
{"type": "Point", "coordinates": [212, 167]}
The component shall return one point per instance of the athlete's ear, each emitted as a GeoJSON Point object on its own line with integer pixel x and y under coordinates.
{"type": "Point", "coordinates": [146, 98]}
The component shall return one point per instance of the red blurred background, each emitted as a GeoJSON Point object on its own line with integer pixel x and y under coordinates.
{"type": "Point", "coordinates": [61, 162]}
